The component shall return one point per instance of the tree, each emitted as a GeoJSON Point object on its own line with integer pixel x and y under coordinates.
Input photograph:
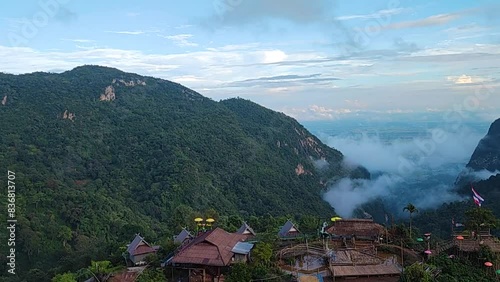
{"type": "Point", "coordinates": [411, 209]}
{"type": "Point", "coordinates": [477, 218]}
{"type": "Point", "coordinates": [65, 234]}
{"type": "Point", "coordinates": [66, 277]}
{"type": "Point", "coordinates": [152, 275]}
{"type": "Point", "coordinates": [100, 269]}
{"type": "Point", "coordinates": [308, 224]}
{"type": "Point", "coordinates": [417, 273]}
{"type": "Point", "coordinates": [262, 253]}
{"type": "Point", "coordinates": [240, 272]}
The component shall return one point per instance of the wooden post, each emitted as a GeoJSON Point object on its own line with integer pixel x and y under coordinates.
{"type": "Point", "coordinates": [452, 223]}
{"type": "Point", "coordinates": [402, 255]}
{"type": "Point", "coordinates": [386, 236]}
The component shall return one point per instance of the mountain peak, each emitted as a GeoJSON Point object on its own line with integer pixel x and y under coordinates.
{"type": "Point", "coordinates": [487, 153]}
{"type": "Point", "coordinates": [94, 68]}
{"type": "Point", "coordinates": [494, 128]}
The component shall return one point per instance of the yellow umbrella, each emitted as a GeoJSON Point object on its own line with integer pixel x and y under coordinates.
{"type": "Point", "coordinates": [210, 220]}
{"type": "Point", "coordinates": [198, 219]}
{"type": "Point", "coordinates": [335, 218]}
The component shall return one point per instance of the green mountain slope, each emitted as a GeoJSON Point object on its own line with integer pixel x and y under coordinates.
{"type": "Point", "coordinates": [100, 154]}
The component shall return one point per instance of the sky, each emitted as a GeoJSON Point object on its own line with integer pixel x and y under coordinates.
{"type": "Point", "coordinates": [311, 59]}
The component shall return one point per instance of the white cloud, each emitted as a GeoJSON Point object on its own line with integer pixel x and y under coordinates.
{"type": "Point", "coordinates": [186, 78]}
{"type": "Point", "coordinates": [316, 112]}
{"type": "Point", "coordinates": [79, 40]}
{"type": "Point", "coordinates": [274, 56]}
{"type": "Point", "coordinates": [132, 14]}
{"type": "Point", "coordinates": [429, 21]}
{"type": "Point", "coordinates": [277, 90]}
{"type": "Point", "coordinates": [181, 40]}
{"type": "Point", "coordinates": [136, 32]}
{"type": "Point", "coordinates": [465, 79]}
{"type": "Point", "coordinates": [235, 47]}
{"type": "Point", "coordinates": [184, 26]}
{"type": "Point", "coordinates": [284, 79]}
{"type": "Point", "coordinates": [376, 15]}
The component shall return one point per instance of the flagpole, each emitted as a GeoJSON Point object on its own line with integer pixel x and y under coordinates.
{"type": "Point", "coordinates": [452, 223]}
{"type": "Point", "coordinates": [476, 197]}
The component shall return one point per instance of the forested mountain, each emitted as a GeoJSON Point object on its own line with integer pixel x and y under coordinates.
{"type": "Point", "coordinates": [100, 155]}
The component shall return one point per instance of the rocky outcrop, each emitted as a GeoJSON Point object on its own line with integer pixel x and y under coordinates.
{"type": "Point", "coordinates": [487, 153]}
{"type": "Point", "coordinates": [130, 83]}
{"type": "Point", "coordinates": [109, 94]}
{"type": "Point", "coordinates": [299, 170]}
{"type": "Point", "coordinates": [68, 115]}
{"type": "Point", "coordinates": [309, 145]}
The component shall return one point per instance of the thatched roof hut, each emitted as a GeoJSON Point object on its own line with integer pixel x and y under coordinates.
{"type": "Point", "coordinates": [359, 228]}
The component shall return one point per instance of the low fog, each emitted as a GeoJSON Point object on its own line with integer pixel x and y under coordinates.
{"type": "Point", "coordinates": [419, 170]}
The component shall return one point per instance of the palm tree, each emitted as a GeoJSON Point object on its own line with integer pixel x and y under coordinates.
{"type": "Point", "coordinates": [411, 209]}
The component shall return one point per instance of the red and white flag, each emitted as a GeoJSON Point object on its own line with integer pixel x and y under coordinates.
{"type": "Point", "coordinates": [478, 200]}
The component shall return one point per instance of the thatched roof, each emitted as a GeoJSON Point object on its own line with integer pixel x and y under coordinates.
{"type": "Point", "coordinates": [359, 227]}
{"type": "Point", "coordinates": [365, 270]}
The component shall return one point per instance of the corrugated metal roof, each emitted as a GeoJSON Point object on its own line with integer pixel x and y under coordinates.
{"type": "Point", "coordinates": [211, 248]}
{"type": "Point", "coordinates": [183, 235]}
{"type": "Point", "coordinates": [285, 229]}
{"type": "Point", "coordinates": [140, 246]}
{"type": "Point", "coordinates": [245, 229]}
{"type": "Point", "coordinates": [242, 248]}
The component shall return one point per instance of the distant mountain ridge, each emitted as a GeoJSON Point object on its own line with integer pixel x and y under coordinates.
{"type": "Point", "coordinates": [487, 153]}
{"type": "Point", "coordinates": [101, 154]}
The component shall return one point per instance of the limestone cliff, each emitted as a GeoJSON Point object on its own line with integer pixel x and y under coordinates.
{"type": "Point", "coordinates": [109, 94]}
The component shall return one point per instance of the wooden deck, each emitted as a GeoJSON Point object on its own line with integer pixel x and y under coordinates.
{"type": "Point", "coordinates": [471, 245]}
{"type": "Point", "coordinates": [365, 270]}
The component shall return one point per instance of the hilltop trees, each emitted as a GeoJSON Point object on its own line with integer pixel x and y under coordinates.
{"type": "Point", "coordinates": [477, 218]}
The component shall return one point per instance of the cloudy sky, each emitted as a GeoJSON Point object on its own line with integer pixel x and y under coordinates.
{"type": "Point", "coordinates": [312, 59]}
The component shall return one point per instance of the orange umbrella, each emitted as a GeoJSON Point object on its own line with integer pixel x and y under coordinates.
{"type": "Point", "coordinates": [488, 264]}
{"type": "Point", "coordinates": [460, 237]}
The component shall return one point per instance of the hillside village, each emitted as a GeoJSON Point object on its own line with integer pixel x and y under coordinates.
{"type": "Point", "coordinates": [347, 249]}
{"type": "Point", "coordinates": [160, 160]}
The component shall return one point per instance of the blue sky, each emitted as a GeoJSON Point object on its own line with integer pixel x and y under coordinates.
{"type": "Point", "coordinates": [311, 59]}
